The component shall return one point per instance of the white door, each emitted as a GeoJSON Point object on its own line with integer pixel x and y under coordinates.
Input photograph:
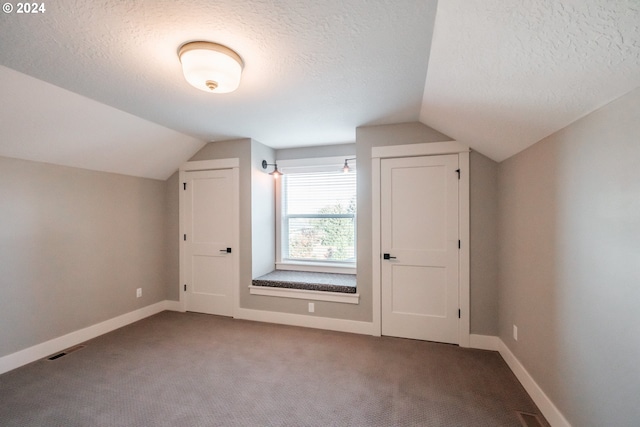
{"type": "Point", "coordinates": [209, 227]}
{"type": "Point", "coordinates": [419, 236]}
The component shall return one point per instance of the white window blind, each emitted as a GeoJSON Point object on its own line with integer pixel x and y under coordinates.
{"type": "Point", "coordinates": [319, 217]}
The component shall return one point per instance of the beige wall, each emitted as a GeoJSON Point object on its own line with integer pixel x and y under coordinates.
{"type": "Point", "coordinates": [257, 211]}
{"type": "Point", "coordinates": [483, 219]}
{"type": "Point", "coordinates": [569, 238]}
{"type": "Point", "coordinates": [483, 224]}
{"type": "Point", "coordinates": [74, 246]}
{"type": "Point", "coordinates": [314, 152]}
{"type": "Point", "coordinates": [241, 149]}
{"type": "Point", "coordinates": [137, 222]}
{"type": "Point", "coordinates": [263, 211]}
{"type": "Point", "coordinates": [366, 138]}
{"type": "Point", "coordinates": [254, 181]}
{"type": "Point", "coordinates": [289, 305]}
{"type": "Point", "coordinates": [172, 237]}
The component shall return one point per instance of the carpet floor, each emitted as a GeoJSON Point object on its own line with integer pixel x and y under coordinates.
{"type": "Point", "coordinates": [187, 369]}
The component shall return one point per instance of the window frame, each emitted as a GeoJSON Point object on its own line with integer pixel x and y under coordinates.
{"type": "Point", "coordinates": [319, 164]}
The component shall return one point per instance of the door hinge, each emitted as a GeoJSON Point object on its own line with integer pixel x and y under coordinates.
{"type": "Point", "coordinates": [184, 185]}
{"type": "Point", "coordinates": [184, 237]}
{"type": "Point", "coordinates": [458, 170]}
{"type": "Point", "coordinates": [458, 311]}
{"type": "Point", "coordinates": [185, 288]}
{"type": "Point", "coordinates": [459, 244]}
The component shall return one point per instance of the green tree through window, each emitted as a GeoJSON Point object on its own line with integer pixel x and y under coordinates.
{"type": "Point", "coordinates": [337, 234]}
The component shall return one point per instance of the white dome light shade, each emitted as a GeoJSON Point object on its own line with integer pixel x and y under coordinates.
{"type": "Point", "coordinates": [211, 67]}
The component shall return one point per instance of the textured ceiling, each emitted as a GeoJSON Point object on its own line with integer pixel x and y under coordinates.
{"type": "Point", "coordinates": [313, 70]}
{"type": "Point", "coordinates": [504, 74]}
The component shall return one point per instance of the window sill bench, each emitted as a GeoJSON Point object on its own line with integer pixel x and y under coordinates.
{"type": "Point", "coordinates": [307, 285]}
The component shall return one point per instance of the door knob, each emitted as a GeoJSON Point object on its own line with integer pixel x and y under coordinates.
{"type": "Point", "coordinates": [228, 250]}
{"type": "Point", "coordinates": [387, 256]}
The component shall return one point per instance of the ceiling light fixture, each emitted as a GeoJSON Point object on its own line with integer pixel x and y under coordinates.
{"type": "Point", "coordinates": [346, 167]}
{"type": "Point", "coordinates": [211, 67]}
{"type": "Point", "coordinates": [276, 173]}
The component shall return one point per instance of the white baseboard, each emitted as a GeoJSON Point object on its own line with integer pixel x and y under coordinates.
{"type": "Point", "coordinates": [484, 342]}
{"type": "Point", "coordinates": [341, 325]}
{"type": "Point", "coordinates": [173, 306]}
{"type": "Point", "coordinates": [546, 406]}
{"type": "Point", "coordinates": [38, 351]}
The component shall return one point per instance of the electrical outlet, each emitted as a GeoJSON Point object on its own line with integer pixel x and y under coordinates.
{"type": "Point", "coordinates": [138, 292]}
{"type": "Point", "coordinates": [515, 332]}
{"type": "Point", "coordinates": [312, 307]}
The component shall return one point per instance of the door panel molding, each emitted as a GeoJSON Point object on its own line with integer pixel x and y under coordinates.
{"type": "Point", "coordinates": [414, 150]}
{"type": "Point", "coordinates": [422, 149]}
{"type": "Point", "coordinates": [419, 227]}
{"type": "Point", "coordinates": [185, 175]}
{"type": "Point", "coordinates": [207, 165]}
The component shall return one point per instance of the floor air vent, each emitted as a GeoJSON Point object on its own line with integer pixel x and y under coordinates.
{"type": "Point", "coordinates": [529, 420]}
{"type": "Point", "coordinates": [65, 352]}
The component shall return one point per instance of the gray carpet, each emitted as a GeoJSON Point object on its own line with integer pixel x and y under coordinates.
{"type": "Point", "coordinates": [185, 369]}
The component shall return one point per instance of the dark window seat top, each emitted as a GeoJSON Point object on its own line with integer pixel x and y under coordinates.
{"type": "Point", "coordinates": [329, 282]}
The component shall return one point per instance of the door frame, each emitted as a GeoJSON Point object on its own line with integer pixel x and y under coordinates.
{"type": "Point", "coordinates": [414, 150]}
{"type": "Point", "coordinates": [205, 165]}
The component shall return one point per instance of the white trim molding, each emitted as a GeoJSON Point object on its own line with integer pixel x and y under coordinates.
{"type": "Point", "coordinates": [540, 398]}
{"type": "Point", "coordinates": [376, 276]}
{"type": "Point", "coordinates": [305, 294]}
{"type": "Point", "coordinates": [315, 164]}
{"type": "Point", "coordinates": [315, 322]}
{"type": "Point", "coordinates": [484, 342]}
{"type": "Point", "coordinates": [425, 149]}
{"type": "Point", "coordinates": [316, 267]}
{"type": "Point", "coordinates": [55, 345]}
{"type": "Point", "coordinates": [546, 406]}
{"type": "Point", "coordinates": [298, 166]}
{"type": "Point", "coordinates": [205, 165]}
{"type": "Point", "coordinates": [464, 267]}
{"type": "Point", "coordinates": [173, 306]}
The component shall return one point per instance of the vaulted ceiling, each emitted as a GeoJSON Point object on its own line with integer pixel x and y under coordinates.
{"type": "Point", "coordinates": [98, 84]}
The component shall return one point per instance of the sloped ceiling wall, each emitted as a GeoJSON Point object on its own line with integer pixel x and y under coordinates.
{"type": "Point", "coordinates": [45, 123]}
{"type": "Point", "coordinates": [505, 74]}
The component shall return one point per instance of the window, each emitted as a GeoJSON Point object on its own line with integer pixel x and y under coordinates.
{"type": "Point", "coordinates": [318, 216]}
